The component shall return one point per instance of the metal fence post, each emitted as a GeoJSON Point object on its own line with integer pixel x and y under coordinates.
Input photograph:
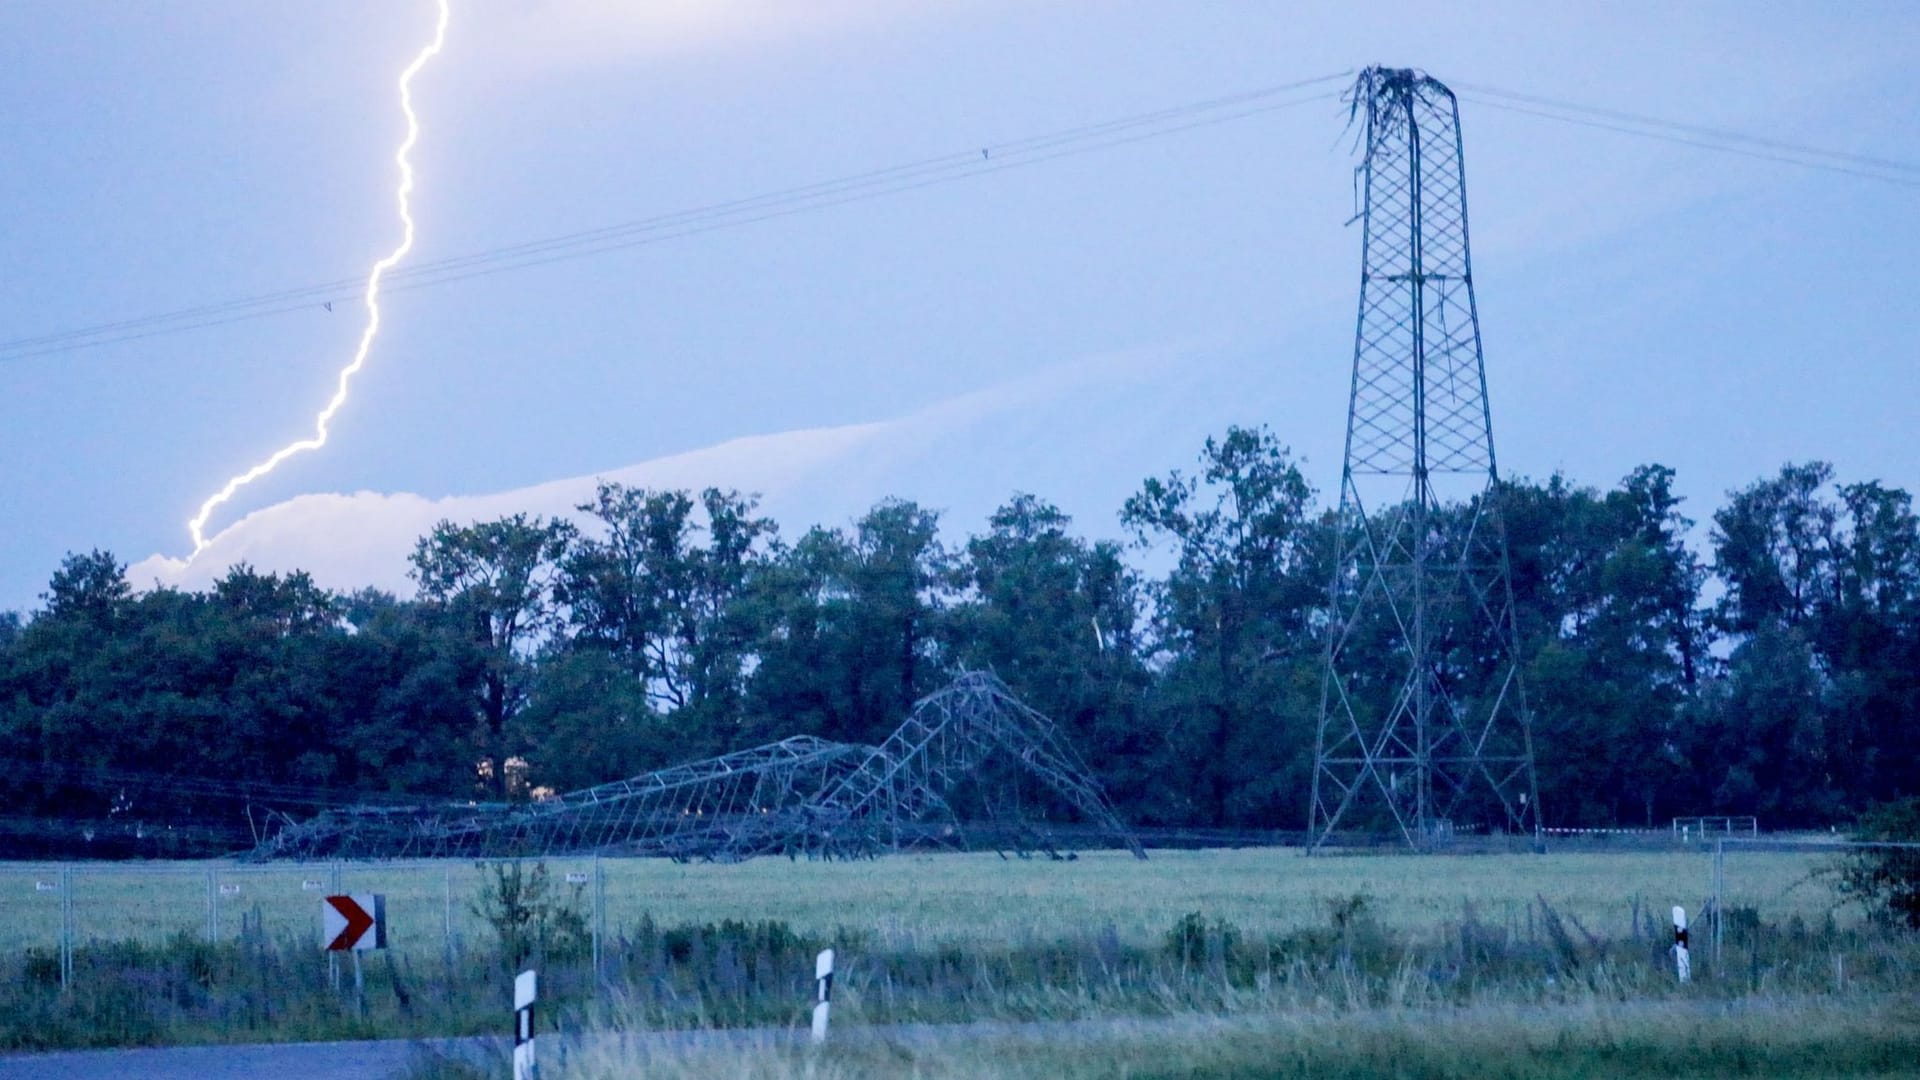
{"type": "Point", "coordinates": [213, 911]}
{"type": "Point", "coordinates": [66, 928]}
{"type": "Point", "coordinates": [599, 914]}
{"type": "Point", "coordinates": [1719, 887]}
{"type": "Point", "coordinates": [446, 924]}
{"type": "Point", "coordinates": [333, 958]}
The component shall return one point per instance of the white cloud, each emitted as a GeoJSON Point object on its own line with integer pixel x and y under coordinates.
{"type": "Point", "coordinates": [349, 541]}
{"type": "Point", "coordinates": [820, 474]}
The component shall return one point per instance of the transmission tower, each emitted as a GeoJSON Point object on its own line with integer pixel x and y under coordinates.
{"type": "Point", "coordinates": [1423, 720]}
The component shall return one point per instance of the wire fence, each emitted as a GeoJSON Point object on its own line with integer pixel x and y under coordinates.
{"type": "Point", "coordinates": [430, 906]}
{"type": "Point", "coordinates": [1726, 892]}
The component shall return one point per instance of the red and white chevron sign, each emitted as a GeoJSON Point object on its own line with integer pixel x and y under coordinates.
{"type": "Point", "coordinates": [353, 923]}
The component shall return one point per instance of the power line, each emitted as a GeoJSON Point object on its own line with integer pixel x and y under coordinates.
{"type": "Point", "coordinates": [910, 176]}
{"type": "Point", "coordinates": [890, 180]}
{"type": "Point", "coordinates": [1723, 134]}
{"type": "Point", "coordinates": [1664, 131]}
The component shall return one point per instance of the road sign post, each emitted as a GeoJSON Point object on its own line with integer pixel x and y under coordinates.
{"type": "Point", "coordinates": [353, 923]}
{"type": "Point", "coordinates": [1682, 963]}
{"type": "Point", "coordinates": [525, 986]}
{"type": "Point", "coordinates": [823, 1001]}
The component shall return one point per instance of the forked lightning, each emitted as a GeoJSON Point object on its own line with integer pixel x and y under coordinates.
{"type": "Point", "coordinates": [404, 197]}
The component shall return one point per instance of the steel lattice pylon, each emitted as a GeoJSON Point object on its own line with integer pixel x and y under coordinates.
{"type": "Point", "coordinates": [1423, 717]}
{"type": "Point", "coordinates": [800, 795]}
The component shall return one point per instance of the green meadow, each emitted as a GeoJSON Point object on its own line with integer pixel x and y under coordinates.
{"type": "Point", "coordinates": [977, 899]}
{"type": "Point", "coordinates": [1259, 962]}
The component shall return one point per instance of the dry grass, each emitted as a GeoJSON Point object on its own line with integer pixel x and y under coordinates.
{"type": "Point", "coordinates": [1764, 1038]}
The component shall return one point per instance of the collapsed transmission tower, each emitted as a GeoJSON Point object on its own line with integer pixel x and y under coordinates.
{"type": "Point", "coordinates": [1423, 719]}
{"type": "Point", "coordinates": [798, 796]}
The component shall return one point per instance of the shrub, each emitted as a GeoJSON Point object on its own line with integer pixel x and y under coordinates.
{"type": "Point", "coordinates": [1193, 938]}
{"type": "Point", "coordinates": [1887, 880]}
{"type": "Point", "coordinates": [530, 921]}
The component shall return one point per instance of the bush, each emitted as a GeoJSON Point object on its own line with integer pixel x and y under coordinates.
{"type": "Point", "coordinates": [1351, 912]}
{"type": "Point", "coordinates": [1887, 880]}
{"type": "Point", "coordinates": [530, 921]}
{"type": "Point", "coordinates": [1193, 938]}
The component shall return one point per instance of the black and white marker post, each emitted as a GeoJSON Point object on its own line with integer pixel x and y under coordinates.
{"type": "Point", "coordinates": [1682, 965]}
{"type": "Point", "coordinates": [524, 987]}
{"type": "Point", "coordinates": [823, 980]}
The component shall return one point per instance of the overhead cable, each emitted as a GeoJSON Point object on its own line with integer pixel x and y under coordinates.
{"type": "Point", "coordinates": [992, 158]}
{"type": "Point", "coordinates": [1886, 170]}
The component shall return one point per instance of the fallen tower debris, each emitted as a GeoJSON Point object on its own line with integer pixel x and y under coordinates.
{"type": "Point", "coordinates": [799, 796]}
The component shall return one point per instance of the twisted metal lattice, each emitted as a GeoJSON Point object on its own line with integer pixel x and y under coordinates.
{"type": "Point", "coordinates": [800, 795]}
{"type": "Point", "coordinates": [1423, 717]}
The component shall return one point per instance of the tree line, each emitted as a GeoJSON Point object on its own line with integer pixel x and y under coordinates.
{"type": "Point", "coordinates": [1775, 673]}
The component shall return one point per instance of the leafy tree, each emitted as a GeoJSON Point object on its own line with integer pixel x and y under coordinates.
{"type": "Point", "coordinates": [672, 612]}
{"type": "Point", "coordinates": [89, 589]}
{"type": "Point", "coordinates": [409, 669]}
{"type": "Point", "coordinates": [629, 591]}
{"type": "Point", "coordinates": [801, 605]}
{"type": "Point", "coordinates": [266, 637]}
{"type": "Point", "coordinates": [496, 580]}
{"type": "Point", "coordinates": [70, 674]}
{"type": "Point", "coordinates": [1871, 642]}
{"type": "Point", "coordinates": [899, 577]}
{"type": "Point", "coordinates": [1607, 597]}
{"type": "Point", "coordinates": [1233, 625]}
{"type": "Point", "coordinates": [852, 625]}
{"type": "Point", "coordinates": [1774, 543]}
{"type": "Point", "coordinates": [1057, 619]}
{"type": "Point", "coordinates": [1820, 609]}
{"type": "Point", "coordinates": [588, 721]}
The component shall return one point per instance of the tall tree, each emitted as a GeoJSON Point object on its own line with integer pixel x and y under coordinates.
{"type": "Point", "coordinates": [1872, 640]}
{"type": "Point", "coordinates": [1607, 595]}
{"type": "Point", "coordinates": [496, 580]}
{"type": "Point", "coordinates": [853, 625]}
{"type": "Point", "coordinates": [1057, 619]}
{"type": "Point", "coordinates": [1808, 572]}
{"type": "Point", "coordinates": [1774, 544]}
{"type": "Point", "coordinates": [1233, 622]}
{"type": "Point", "coordinates": [671, 611]}
{"type": "Point", "coordinates": [410, 668]}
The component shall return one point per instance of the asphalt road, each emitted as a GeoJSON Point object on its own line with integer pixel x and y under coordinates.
{"type": "Point", "coordinates": [282, 1061]}
{"type": "Point", "coordinates": [305, 1061]}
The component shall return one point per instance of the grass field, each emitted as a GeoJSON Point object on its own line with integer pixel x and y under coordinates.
{"type": "Point", "coordinates": [1193, 963]}
{"type": "Point", "coordinates": [931, 899]}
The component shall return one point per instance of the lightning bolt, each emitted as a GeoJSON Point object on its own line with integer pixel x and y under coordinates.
{"type": "Point", "coordinates": [404, 198]}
